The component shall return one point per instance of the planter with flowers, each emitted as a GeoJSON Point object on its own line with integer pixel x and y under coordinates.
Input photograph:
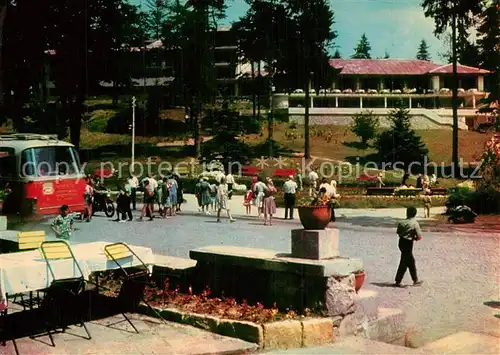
{"type": "Point", "coordinates": [360, 279]}
{"type": "Point", "coordinates": [316, 214]}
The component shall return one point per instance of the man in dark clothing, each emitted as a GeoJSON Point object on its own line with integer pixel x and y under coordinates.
{"type": "Point", "coordinates": [406, 176]}
{"type": "Point", "coordinates": [123, 207]}
{"type": "Point", "coordinates": [408, 231]}
{"type": "Point", "coordinates": [290, 190]}
{"type": "Point", "coordinates": [419, 181]}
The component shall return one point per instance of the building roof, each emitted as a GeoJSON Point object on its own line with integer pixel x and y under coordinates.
{"type": "Point", "coordinates": [461, 69]}
{"type": "Point", "coordinates": [397, 67]}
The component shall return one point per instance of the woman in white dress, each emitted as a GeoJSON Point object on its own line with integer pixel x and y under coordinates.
{"type": "Point", "coordinates": [258, 192]}
{"type": "Point", "coordinates": [223, 200]}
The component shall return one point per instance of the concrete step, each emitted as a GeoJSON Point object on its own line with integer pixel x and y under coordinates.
{"type": "Point", "coordinates": [367, 303]}
{"type": "Point", "coordinates": [371, 322]}
{"type": "Point", "coordinates": [366, 310]}
{"type": "Point", "coordinates": [389, 326]}
{"type": "Point", "coordinates": [464, 343]}
{"type": "Point", "coordinates": [350, 345]}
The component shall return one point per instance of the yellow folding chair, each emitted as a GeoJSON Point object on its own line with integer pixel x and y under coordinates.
{"type": "Point", "coordinates": [61, 305]}
{"type": "Point", "coordinates": [132, 290]}
{"type": "Point", "coordinates": [29, 241]}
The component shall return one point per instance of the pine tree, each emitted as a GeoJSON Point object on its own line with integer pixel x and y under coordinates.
{"type": "Point", "coordinates": [386, 55]}
{"type": "Point", "coordinates": [337, 54]}
{"type": "Point", "coordinates": [457, 15]}
{"type": "Point", "coordinates": [362, 50]}
{"type": "Point", "coordinates": [489, 45]}
{"type": "Point", "coordinates": [423, 51]}
{"type": "Point", "coordinates": [400, 143]}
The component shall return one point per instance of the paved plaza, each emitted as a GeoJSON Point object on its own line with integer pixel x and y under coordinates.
{"type": "Point", "coordinates": [113, 336]}
{"type": "Point", "coordinates": [461, 272]}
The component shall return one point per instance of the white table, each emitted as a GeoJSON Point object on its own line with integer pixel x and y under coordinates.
{"type": "Point", "coordinates": [27, 271]}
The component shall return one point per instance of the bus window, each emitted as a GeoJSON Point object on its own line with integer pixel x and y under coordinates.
{"type": "Point", "coordinates": [50, 161]}
{"type": "Point", "coordinates": [7, 163]}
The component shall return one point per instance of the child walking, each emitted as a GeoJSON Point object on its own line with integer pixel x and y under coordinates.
{"type": "Point", "coordinates": [247, 202]}
{"type": "Point", "coordinates": [62, 225]}
{"type": "Point", "coordinates": [408, 231]}
{"type": "Point", "coordinates": [165, 198]}
{"type": "Point", "coordinates": [213, 197]}
{"type": "Point", "coordinates": [427, 205]}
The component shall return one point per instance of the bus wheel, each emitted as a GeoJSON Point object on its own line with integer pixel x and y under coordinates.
{"type": "Point", "coordinates": [110, 210]}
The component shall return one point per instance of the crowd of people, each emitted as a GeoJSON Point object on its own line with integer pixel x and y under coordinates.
{"type": "Point", "coordinates": [165, 191]}
{"type": "Point", "coordinates": [261, 195]}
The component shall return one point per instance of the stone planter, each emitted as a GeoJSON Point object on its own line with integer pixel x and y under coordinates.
{"type": "Point", "coordinates": [360, 280]}
{"type": "Point", "coordinates": [314, 217]}
{"type": "Point", "coordinates": [287, 334]}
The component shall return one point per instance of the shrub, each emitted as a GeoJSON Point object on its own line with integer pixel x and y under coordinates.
{"type": "Point", "coordinates": [365, 126]}
{"type": "Point", "coordinates": [400, 143]}
{"type": "Point", "coordinates": [482, 201]}
{"type": "Point", "coordinates": [486, 199]}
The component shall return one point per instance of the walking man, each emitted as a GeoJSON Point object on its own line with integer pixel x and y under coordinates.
{"type": "Point", "coordinates": [313, 182]}
{"type": "Point", "coordinates": [408, 231]}
{"type": "Point", "coordinates": [230, 184]}
{"type": "Point", "coordinates": [289, 189]}
{"type": "Point", "coordinates": [133, 182]}
{"type": "Point", "coordinates": [298, 173]}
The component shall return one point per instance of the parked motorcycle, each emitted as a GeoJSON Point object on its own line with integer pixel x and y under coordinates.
{"type": "Point", "coordinates": [461, 214]}
{"type": "Point", "coordinates": [103, 203]}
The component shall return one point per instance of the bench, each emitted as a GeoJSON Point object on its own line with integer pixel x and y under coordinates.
{"type": "Point", "coordinates": [379, 191]}
{"type": "Point", "coordinates": [284, 173]}
{"type": "Point", "coordinates": [439, 191]}
{"type": "Point", "coordinates": [250, 171]}
{"type": "Point", "coordinates": [364, 177]}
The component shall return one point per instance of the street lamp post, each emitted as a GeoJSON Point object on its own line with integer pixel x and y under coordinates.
{"type": "Point", "coordinates": [133, 133]}
{"type": "Point", "coordinates": [270, 122]}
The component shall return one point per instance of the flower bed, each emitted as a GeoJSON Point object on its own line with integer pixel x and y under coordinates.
{"type": "Point", "coordinates": [388, 201]}
{"type": "Point", "coordinates": [364, 201]}
{"type": "Point", "coordinates": [220, 307]}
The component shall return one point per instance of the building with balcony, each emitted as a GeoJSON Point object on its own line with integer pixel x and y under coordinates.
{"type": "Point", "coordinates": [381, 84]}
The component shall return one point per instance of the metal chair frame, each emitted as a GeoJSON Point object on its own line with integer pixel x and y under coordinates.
{"type": "Point", "coordinates": [28, 304]}
{"type": "Point", "coordinates": [58, 285]}
{"type": "Point", "coordinates": [131, 278]}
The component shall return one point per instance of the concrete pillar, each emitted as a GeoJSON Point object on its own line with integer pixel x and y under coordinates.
{"type": "Point", "coordinates": [358, 84]}
{"type": "Point", "coordinates": [361, 102]}
{"type": "Point", "coordinates": [336, 101]}
{"type": "Point", "coordinates": [385, 101]}
{"type": "Point", "coordinates": [473, 101]}
{"type": "Point", "coordinates": [381, 84]}
{"type": "Point", "coordinates": [237, 89]}
{"type": "Point", "coordinates": [315, 244]}
{"type": "Point", "coordinates": [480, 83]}
{"type": "Point", "coordinates": [435, 83]}
{"type": "Point", "coordinates": [409, 102]}
{"type": "Point", "coordinates": [312, 103]}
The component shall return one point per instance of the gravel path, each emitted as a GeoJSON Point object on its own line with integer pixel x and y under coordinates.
{"type": "Point", "coordinates": [461, 272]}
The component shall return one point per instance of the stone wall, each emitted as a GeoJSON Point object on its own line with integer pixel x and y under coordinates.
{"type": "Point", "coordinates": [277, 279]}
{"type": "Point", "coordinates": [418, 122]}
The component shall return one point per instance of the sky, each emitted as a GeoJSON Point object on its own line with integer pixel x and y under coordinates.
{"type": "Point", "coordinates": [395, 26]}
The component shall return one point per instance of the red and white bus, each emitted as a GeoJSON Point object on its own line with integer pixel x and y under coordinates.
{"type": "Point", "coordinates": [39, 174]}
